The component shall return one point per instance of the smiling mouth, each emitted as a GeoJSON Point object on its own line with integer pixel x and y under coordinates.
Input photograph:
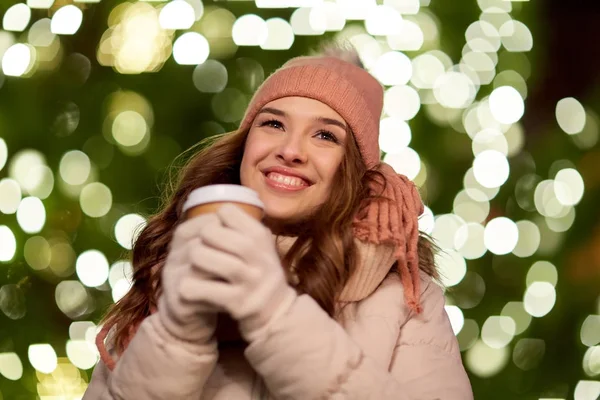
{"type": "Point", "coordinates": [285, 182]}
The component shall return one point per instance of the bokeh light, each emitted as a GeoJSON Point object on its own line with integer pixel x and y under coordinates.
{"type": "Point", "coordinates": [75, 167]}
{"type": "Point", "coordinates": [71, 298]}
{"type": "Point", "coordinates": [42, 357]}
{"type": "Point", "coordinates": [31, 215]}
{"type": "Point", "coordinates": [8, 244]}
{"type": "Point", "coordinates": [12, 301]}
{"type": "Point", "coordinates": [590, 331]}
{"type": "Point", "coordinates": [66, 20]}
{"type": "Point", "coordinates": [393, 68]}
{"type": "Point", "coordinates": [3, 153]}
{"type": "Point", "coordinates": [501, 235]}
{"type": "Point", "coordinates": [95, 199]}
{"type": "Point", "coordinates": [405, 161]}
{"type": "Point", "coordinates": [539, 298]}
{"type": "Point", "coordinates": [508, 192]}
{"type": "Point", "coordinates": [485, 361]}
{"type": "Point", "coordinates": [452, 267]}
{"type": "Point", "coordinates": [11, 366]}
{"type": "Point", "coordinates": [210, 77]}
{"type": "Point", "coordinates": [127, 228]}
{"type": "Point", "coordinates": [491, 168]}
{"type": "Point", "coordinates": [37, 252]}
{"type": "Point", "coordinates": [16, 18]}
{"type": "Point", "coordinates": [280, 35]}
{"type": "Point", "coordinates": [191, 48]}
{"type": "Point", "coordinates": [10, 196]}
{"type": "Point", "coordinates": [401, 102]}
{"type": "Point", "coordinates": [515, 310]}
{"type": "Point", "coordinates": [394, 135]}
{"type": "Point", "coordinates": [92, 268]}
{"type": "Point", "coordinates": [250, 30]}
{"type": "Point", "coordinates": [18, 60]}
{"type": "Point", "coordinates": [506, 104]}
{"type": "Point", "coordinates": [177, 15]}
{"type": "Point", "coordinates": [456, 317]}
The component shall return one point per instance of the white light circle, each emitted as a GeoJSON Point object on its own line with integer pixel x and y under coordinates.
{"type": "Point", "coordinates": [451, 266]}
{"type": "Point", "coordinates": [539, 298]}
{"type": "Point", "coordinates": [42, 357]}
{"type": "Point", "coordinates": [491, 169]}
{"type": "Point", "coordinates": [568, 186]}
{"type": "Point", "coordinates": [31, 215]}
{"type": "Point", "coordinates": [18, 59]}
{"type": "Point", "coordinates": [127, 228]}
{"type": "Point", "coordinates": [191, 48]}
{"type": "Point", "coordinates": [498, 331]}
{"type": "Point", "coordinates": [529, 239]}
{"type": "Point", "coordinates": [95, 199]}
{"type": "Point", "coordinates": [393, 68]}
{"type": "Point", "coordinates": [456, 317]}
{"type": "Point", "coordinates": [506, 104]}
{"type": "Point", "coordinates": [394, 135]}
{"type": "Point", "coordinates": [92, 268]}
{"type": "Point", "coordinates": [177, 14]}
{"type": "Point", "coordinates": [406, 162]}
{"type": "Point", "coordinates": [66, 20]}
{"type": "Point", "coordinates": [10, 196]}
{"type": "Point", "coordinates": [426, 221]}
{"type": "Point", "coordinates": [383, 20]}
{"type": "Point", "coordinates": [8, 244]}
{"type": "Point", "coordinates": [501, 235]}
{"type": "Point", "coordinates": [81, 354]}
{"type": "Point", "coordinates": [402, 102]}
{"type": "Point", "coordinates": [3, 153]}
{"type": "Point", "coordinates": [280, 36]}
{"type": "Point", "coordinates": [75, 167]}
{"type": "Point", "coordinates": [11, 366]}
{"type": "Point", "coordinates": [16, 18]}
{"type": "Point", "coordinates": [471, 237]}
{"type": "Point", "coordinates": [454, 90]}
{"type": "Point", "coordinates": [570, 115]}
{"type": "Point", "coordinates": [250, 30]}
{"type": "Point", "coordinates": [485, 361]}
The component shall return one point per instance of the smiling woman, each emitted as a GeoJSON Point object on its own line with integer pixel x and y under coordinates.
{"type": "Point", "coordinates": [293, 154]}
{"type": "Point", "coordinates": [332, 293]}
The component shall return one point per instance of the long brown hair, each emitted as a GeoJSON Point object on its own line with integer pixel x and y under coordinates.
{"type": "Point", "coordinates": [324, 255]}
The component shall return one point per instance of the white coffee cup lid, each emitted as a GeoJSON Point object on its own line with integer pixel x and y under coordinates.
{"type": "Point", "coordinates": [218, 193]}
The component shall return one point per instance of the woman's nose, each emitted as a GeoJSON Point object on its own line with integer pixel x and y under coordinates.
{"type": "Point", "coordinates": [292, 150]}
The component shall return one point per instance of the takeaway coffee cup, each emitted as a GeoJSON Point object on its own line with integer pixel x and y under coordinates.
{"type": "Point", "coordinates": [208, 199]}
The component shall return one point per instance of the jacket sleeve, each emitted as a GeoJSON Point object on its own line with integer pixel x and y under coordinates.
{"type": "Point", "coordinates": [308, 355]}
{"type": "Point", "coordinates": [155, 366]}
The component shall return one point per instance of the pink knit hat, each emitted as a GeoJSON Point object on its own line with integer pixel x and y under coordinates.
{"type": "Point", "coordinates": [358, 97]}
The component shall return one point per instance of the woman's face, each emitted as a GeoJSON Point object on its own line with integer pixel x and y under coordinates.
{"type": "Point", "coordinates": [294, 148]}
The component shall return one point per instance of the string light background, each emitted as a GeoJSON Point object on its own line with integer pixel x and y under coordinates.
{"type": "Point", "coordinates": [97, 98]}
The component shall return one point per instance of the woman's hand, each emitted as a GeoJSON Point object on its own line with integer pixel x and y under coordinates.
{"type": "Point", "coordinates": [251, 284]}
{"type": "Point", "coordinates": [181, 314]}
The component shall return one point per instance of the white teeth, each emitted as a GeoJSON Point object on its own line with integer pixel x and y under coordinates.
{"type": "Point", "coordinates": [286, 180]}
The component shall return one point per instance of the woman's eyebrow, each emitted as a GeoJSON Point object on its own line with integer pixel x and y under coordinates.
{"type": "Point", "coordinates": [275, 111]}
{"type": "Point", "coordinates": [331, 121]}
{"type": "Point", "coordinates": [323, 120]}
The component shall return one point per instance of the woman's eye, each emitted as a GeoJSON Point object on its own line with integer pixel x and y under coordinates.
{"type": "Point", "coordinates": [273, 123]}
{"type": "Point", "coordinates": [327, 136]}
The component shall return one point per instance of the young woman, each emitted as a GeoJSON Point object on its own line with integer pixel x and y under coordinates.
{"type": "Point", "coordinates": [331, 295]}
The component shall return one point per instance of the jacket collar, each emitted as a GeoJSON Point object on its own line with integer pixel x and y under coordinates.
{"type": "Point", "coordinates": [375, 261]}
